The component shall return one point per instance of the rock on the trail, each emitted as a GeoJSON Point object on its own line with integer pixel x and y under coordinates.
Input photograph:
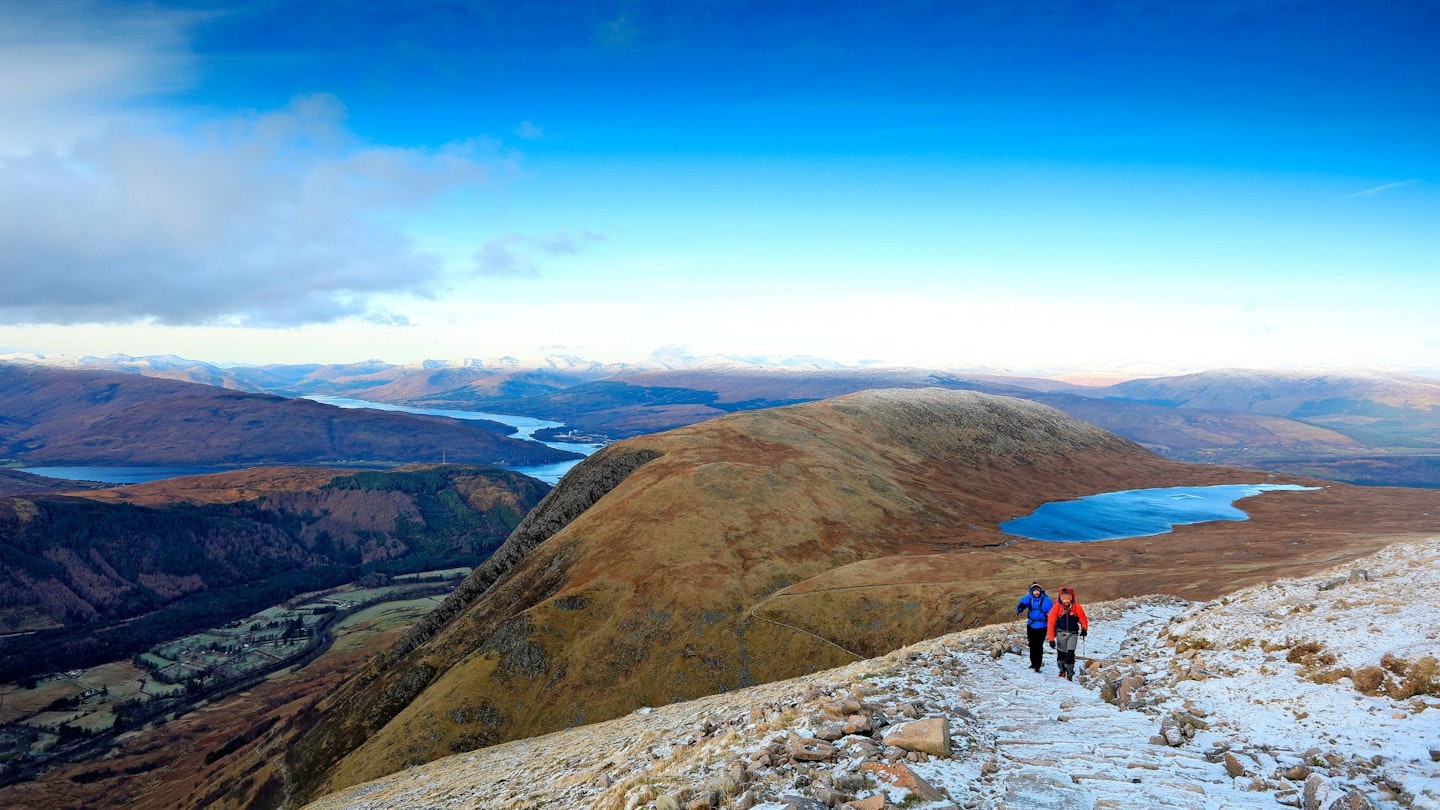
{"type": "Point", "coordinates": [929, 736]}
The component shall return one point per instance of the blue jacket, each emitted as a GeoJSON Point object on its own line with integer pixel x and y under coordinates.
{"type": "Point", "coordinates": [1039, 609]}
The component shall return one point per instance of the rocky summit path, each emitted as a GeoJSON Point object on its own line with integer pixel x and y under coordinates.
{"type": "Point", "coordinates": [1320, 693]}
{"type": "Point", "coordinates": [1037, 741]}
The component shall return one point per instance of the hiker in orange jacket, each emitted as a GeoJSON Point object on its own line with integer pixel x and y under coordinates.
{"type": "Point", "coordinates": [1067, 625]}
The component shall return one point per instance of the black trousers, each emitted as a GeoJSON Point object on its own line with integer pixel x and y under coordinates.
{"type": "Point", "coordinates": [1036, 636]}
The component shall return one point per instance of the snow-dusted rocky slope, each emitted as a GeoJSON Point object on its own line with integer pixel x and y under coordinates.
{"type": "Point", "coordinates": [1253, 700]}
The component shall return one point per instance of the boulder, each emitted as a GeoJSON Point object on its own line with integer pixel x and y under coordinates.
{"type": "Point", "coordinates": [1233, 767]}
{"type": "Point", "coordinates": [803, 750]}
{"type": "Point", "coordinates": [1352, 800]}
{"type": "Point", "coordinates": [928, 736]}
{"type": "Point", "coordinates": [1129, 690]}
{"type": "Point", "coordinates": [899, 775]}
{"type": "Point", "coordinates": [1317, 793]}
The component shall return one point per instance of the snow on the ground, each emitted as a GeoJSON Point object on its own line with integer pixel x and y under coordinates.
{"type": "Point", "coordinates": [1247, 701]}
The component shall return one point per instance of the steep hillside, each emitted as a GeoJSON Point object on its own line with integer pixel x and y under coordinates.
{"type": "Point", "coordinates": [762, 545]}
{"type": "Point", "coordinates": [1237, 703]}
{"type": "Point", "coordinates": [50, 415]}
{"type": "Point", "coordinates": [86, 579]}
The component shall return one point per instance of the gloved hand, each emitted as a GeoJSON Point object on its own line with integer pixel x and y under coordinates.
{"type": "Point", "coordinates": [1018, 611]}
{"type": "Point", "coordinates": [1052, 643]}
{"type": "Point", "coordinates": [1083, 631]}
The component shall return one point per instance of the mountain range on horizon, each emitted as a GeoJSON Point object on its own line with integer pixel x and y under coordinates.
{"type": "Point", "coordinates": [664, 359]}
{"type": "Point", "coordinates": [1360, 426]}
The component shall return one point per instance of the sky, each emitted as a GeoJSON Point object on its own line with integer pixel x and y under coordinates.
{"type": "Point", "coordinates": [1023, 185]}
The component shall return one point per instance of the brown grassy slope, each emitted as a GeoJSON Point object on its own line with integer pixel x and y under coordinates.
{"type": "Point", "coordinates": [646, 597]}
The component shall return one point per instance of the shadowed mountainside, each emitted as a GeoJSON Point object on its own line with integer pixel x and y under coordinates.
{"type": "Point", "coordinates": [50, 415]}
{"type": "Point", "coordinates": [95, 578]}
{"type": "Point", "coordinates": [767, 544]}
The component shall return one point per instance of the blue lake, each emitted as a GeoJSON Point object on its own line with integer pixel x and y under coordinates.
{"type": "Point", "coordinates": [1135, 512]}
{"type": "Point", "coordinates": [525, 427]}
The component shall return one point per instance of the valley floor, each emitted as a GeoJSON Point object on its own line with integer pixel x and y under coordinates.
{"type": "Point", "coordinates": [1253, 700]}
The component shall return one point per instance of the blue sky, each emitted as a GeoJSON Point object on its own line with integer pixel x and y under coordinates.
{"type": "Point", "coordinates": [1040, 186]}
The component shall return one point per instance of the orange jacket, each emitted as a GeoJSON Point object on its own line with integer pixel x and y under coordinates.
{"type": "Point", "coordinates": [1076, 612]}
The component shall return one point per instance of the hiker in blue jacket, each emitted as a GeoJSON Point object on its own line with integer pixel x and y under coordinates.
{"type": "Point", "coordinates": [1038, 605]}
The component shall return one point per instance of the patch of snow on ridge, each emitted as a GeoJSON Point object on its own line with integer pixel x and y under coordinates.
{"type": "Point", "coordinates": [1176, 705]}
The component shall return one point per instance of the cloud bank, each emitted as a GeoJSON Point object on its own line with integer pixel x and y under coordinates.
{"type": "Point", "coordinates": [118, 208]}
{"type": "Point", "coordinates": [268, 220]}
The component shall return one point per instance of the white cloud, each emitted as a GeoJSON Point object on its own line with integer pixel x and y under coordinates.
{"type": "Point", "coordinates": [116, 207]}
{"type": "Point", "coordinates": [274, 219]}
{"type": "Point", "coordinates": [529, 131]}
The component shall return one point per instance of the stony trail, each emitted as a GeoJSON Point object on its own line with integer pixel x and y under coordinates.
{"type": "Point", "coordinates": [1320, 693]}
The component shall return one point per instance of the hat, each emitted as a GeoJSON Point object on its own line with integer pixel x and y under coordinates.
{"type": "Point", "coordinates": [1035, 586]}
